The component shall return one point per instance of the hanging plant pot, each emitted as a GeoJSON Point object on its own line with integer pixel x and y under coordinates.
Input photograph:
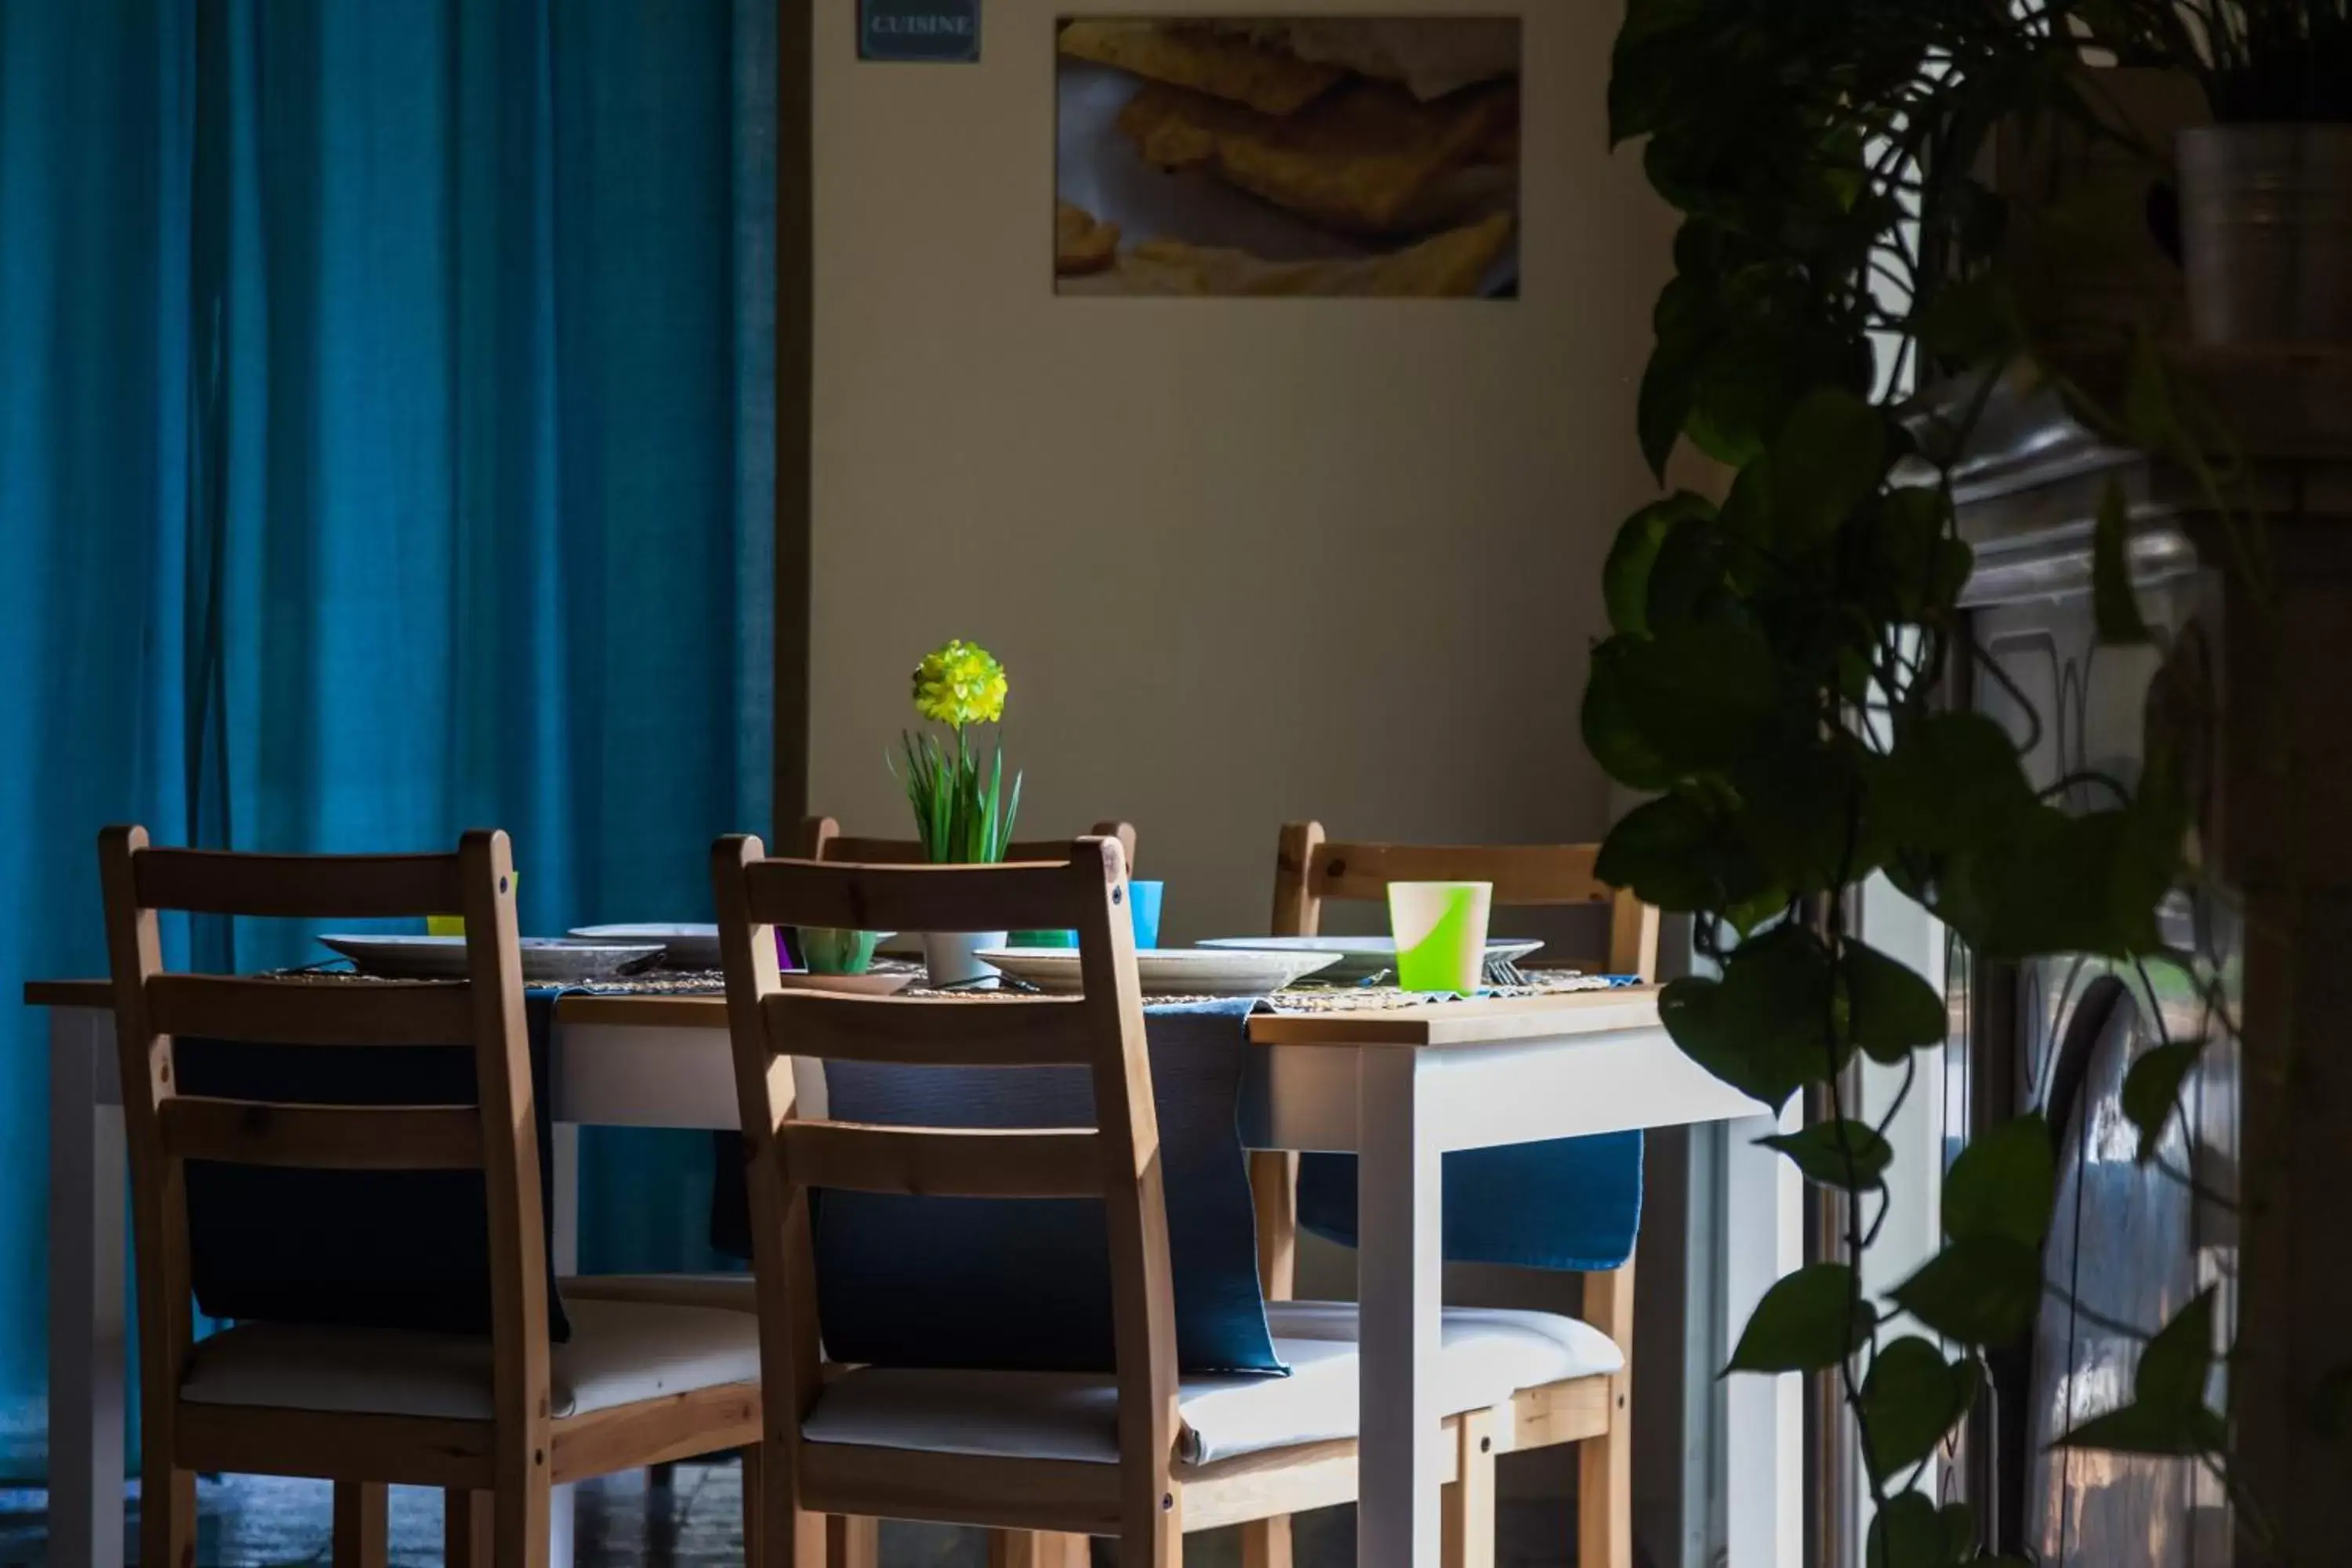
{"type": "Point", "coordinates": [2266, 232]}
{"type": "Point", "coordinates": [947, 956]}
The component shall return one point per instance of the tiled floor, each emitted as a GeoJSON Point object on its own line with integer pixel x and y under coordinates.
{"type": "Point", "coordinates": [697, 1522]}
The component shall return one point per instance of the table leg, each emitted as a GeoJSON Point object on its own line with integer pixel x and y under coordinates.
{"type": "Point", "coordinates": [564, 1224]}
{"type": "Point", "coordinates": [564, 1163]}
{"type": "Point", "coordinates": [1399, 1215]}
{"type": "Point", "coordinates": [87, 1312]}
{"type": "Point", "coordinates": [1764, 1417]}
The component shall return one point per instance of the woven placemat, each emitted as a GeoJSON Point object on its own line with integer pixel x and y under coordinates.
{"type": "Point", "coordinates": [1296, 999]}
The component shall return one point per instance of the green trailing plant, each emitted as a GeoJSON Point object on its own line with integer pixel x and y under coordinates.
{"type": "Point", "coordinates": [963, 811]}
{"type": "Point", "coordinates": [1777, 668]}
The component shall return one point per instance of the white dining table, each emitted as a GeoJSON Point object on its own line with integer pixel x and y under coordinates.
{"type": "Point", "coordinates": [1399, 1088]}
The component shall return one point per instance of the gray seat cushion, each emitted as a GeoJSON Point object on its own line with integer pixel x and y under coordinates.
{"type": "Point", "coordinates": [1488, 1356]}
{"type": "Point", "coordinates": [620, 1352]}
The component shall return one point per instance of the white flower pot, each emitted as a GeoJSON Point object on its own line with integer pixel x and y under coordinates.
{"type": "Point", "coordinates": [948, 955]}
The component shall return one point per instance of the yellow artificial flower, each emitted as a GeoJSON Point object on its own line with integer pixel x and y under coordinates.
{"type": "Point", "coordinates": [960, 684]}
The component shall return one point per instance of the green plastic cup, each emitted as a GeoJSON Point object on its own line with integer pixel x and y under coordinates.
{"type": "Point", "coordinates": [1441, 934]}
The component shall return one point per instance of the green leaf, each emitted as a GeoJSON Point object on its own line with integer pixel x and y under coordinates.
{"type": "Point", "coordinates": [1691, 581]}
{"type": "Point", "coordinates": [1890, 1009]}
{"type": "Point", "coordinates": [2152, 1089]}
{"type": "Point", "coordinates": [1979, 1291]}
{"type": "Point", "coordinates": [2002, 1182]}
{"type": "Point", "coordinates": [1960, 1530]}
{"type": "Point", "coordinates": [1828, 459]}
{"type": "Point", "coordinates": [1846, 1154]}
{"type": "Point", "coordinates": [2175, 1365]}
{"type": "Point", "coordinates": [1644, 80]}
{"type": "Point", "coordinates": [1740, 395]}
{"type": "Point", "coordinates": [1952, 781]}
{"type": "Point", "coordinates": [1796, 796]}
{"type": "Point", "coordinates": [1685, 324]}
{"type": "Point", "coordinates": [990, 848]}
{"type": "Point", "coordinates": [1749, 915]}
{"type": "Point", "coordinates": [1697, 696]}
{"type": "Point", "coordinates": [2114, 608]}
{"type": "Point", "coordinates": [1626, 579]}
{"type": "Point", "coordinates": [2144, 1429]}
{"type": "Point", "coordinates": [1767, 1027]}
{"type": "Point", "coordinates": [1011, 814]}
{"type": "Point", "coordinates": [1676, 855]}
{"type": "Point", "coordinates": [1662, 408]}
{"type": "Point", "coordinates": [1611, 720]}
{"type": "Point", "coordinates": [1808, 1320]}
{"type": "Point", "coordinates": [1748, 508]}
{"type": "Point", "coordinates": [1910, 1399]}
{"type": "Point", "coordinates": [2067, 883]}
{"type": "Point", "coordinates": [1910, 1532]}
{"type": "Point", "coordinates": [1918, 565]}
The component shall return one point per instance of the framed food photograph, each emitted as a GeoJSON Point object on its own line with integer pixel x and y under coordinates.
{"type": "Point", "coordinates": [1326, 156]}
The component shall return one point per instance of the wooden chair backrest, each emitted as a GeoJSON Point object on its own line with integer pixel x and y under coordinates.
{"type": "Point", "coordinates": [165, 1129]}
{"type": "Point", "coordinates": [822, 839]}
{"type": "Point", "coordinates": [1116, 1160]}
{"type": "Point", "coordinates": [1309, 868]}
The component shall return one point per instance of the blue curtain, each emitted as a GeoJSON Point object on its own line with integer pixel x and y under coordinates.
{"type": "Point", "coordinates": [385, 418]}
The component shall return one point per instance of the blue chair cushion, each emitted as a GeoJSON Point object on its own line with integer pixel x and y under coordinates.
{"type": "Point", "coordinates": [374, 1250]}
{"type": "Point", "coordinates": [1571, 1203]}
{"type": "Point", "coordinates": [1024, 1285]}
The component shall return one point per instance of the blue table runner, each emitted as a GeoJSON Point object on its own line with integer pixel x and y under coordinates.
{"type": "Point", "coordinates": [1570, 1203]}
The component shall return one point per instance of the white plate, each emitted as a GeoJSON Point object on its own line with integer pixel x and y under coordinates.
{"type": "Point", "coordinates": [1357, 958]}
{"type": "Point", "coordinates": [546, 961]}
{"type": "Point", "coordinates": [683, 946]}
{"type": "Point", "coordinates": [1166, 970]}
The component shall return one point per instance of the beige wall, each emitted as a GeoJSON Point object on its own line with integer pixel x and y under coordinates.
{"type": "Point", "coordinates": [1246, 560]}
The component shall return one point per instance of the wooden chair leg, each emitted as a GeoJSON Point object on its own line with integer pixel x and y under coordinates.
{"type": "Point", "coordinates": [466, 1529]}
{"type": "Point", "coordinates": [1273, 1192]}
{"type": "Point", "coordinates": [1038, 1549]}
{"type": "Point", "coordinates": [776, 1533]}
{"type": "Point", "coordinates": [167, 1511]}
{"type": "Point", "coordinates": [853, 1541]}
{"type": "Point", "coordinates": [1466, 1515]}
{"type": "Point", "coordinates": [1266, 1542]}
{"type": "Point", "coordinates": [1604, 1488]}
{"type": "Point", "coordinates": [753, 1520]}
{"type": "Point", "coordinates": [520, 1518]}
{"type": "Point", "coordinates": [362, 1517]}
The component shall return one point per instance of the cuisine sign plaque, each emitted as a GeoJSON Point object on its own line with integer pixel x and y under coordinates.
{"type": "Point", "coordinates": [936, 32]}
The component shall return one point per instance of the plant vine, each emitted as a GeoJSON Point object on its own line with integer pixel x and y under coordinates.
{"type": "Point", "coordinates": [1778, 671]}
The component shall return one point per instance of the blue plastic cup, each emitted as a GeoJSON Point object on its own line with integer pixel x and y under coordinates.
{"type": "Point", "coordinates": [1143, 903]}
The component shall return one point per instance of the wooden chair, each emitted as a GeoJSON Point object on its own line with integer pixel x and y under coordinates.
{"type": "Point", "coordinates": [493, 1421]}
{"type": "Point", "coordinates": [822, 839]}
{"type": "Point", "coordinates": [1309, 869]}
{"type": "Point", "coordinates": [1049, 1457]}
